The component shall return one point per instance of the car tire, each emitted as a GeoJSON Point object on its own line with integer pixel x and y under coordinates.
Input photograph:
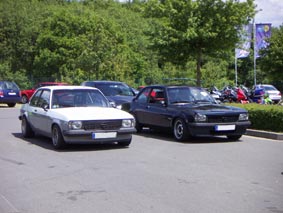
{"type": "Point", "coordinates": [11, 104]}
{"type": "Point", "coordinates": [24, 99]}
{"type": "Point", "coordinates": [180, 130]}
{"type": "Point", "coordinates": [125, 142]}
{"type": "Point", "coordinates": [138, 126]}
{"type": "Point", "coordinates": [27, 131]}
{"type": "Point", "coordinates": [234, 137]}
{"type": "Point", "coordinates": [57, 138]}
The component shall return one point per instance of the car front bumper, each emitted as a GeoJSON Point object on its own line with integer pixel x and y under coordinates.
{"type": "Point", "coordinates": [210, 129]}
{"type": "Point", "coordinates": [82, 136]}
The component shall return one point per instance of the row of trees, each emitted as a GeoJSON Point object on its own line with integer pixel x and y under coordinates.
{"type": "Point", "coordinates": [139, 42]}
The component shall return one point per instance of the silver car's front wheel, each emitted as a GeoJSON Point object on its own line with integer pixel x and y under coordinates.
{"type": "Point", "coordinates": [180, 130]}
{"type": "Point", "coordinates": [57, 138]}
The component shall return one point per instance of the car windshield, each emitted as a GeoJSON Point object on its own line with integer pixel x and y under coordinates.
{"type": "Point", "coordinates": [115, 89]}
{"type": "Point", "coordinates": [269, 88]}
{"type": "Point", "coordinates": [78, 98]}
{"type": "Point", "coordinates": [189, 95]}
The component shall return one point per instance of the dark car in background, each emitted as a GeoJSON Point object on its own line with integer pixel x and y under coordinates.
{"type": "Point", "coordinates": [118, 93]}
{"type": "Point", "coordinates": [187, 111]}
{"type": "Point", "coordinates": [26, 94]}
{"type": "Point", "coordinates": [10, 93]}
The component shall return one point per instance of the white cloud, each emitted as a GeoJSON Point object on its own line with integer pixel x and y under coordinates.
{"type": "Point", "coordinates": [271, 11]}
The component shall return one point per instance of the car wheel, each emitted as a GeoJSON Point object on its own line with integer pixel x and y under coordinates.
{"type": "Point", "coordinates": [180, 130]}
{"type": "Point", "coordinates": [57, 138]}
{"type": "Point", "coordinates": [24, 99]}
{"type": "Point", "coordinates": [26, 128]}
{"type": "Point", "coordinates": [11, 104]}
{"type": "Point", "coordinates": [138, 126]}
{"type": "Point", "coordinates": [234, 137]}
{"type": "Point", "coordinates": [125, 142]}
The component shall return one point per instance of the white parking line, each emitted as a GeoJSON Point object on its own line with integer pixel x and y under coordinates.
{"type": "Point", "coordinates": [13, 208]}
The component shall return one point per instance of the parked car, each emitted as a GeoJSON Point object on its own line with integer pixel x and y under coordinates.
{"type": "Point", "coordinates": [187, 111]}
{"type": "Point", "coordinates": [118, 93]}
{"type": "Point", "coordinates": [10, 93]}
{"type": "Point", "coordinates": [26, 94]}
{"type": "Point", "coordinates": [260, 90]}
{"type": "Point", "coordinates": [75, 114]}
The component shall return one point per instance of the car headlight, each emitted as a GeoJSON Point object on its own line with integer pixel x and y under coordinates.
{"type": "Point", "coordinates": [243, 117]}
{"type": "Point", "coordinates": [200, 117]}
{"type": "Point", "coordinates": [75, 125]}
{"type": "Point", "coordinates": [127, 123]}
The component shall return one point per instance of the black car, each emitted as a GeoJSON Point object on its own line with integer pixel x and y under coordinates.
{"type": "Point", "coordinates": [10, 93]}
{"type": "Point", "coordinates": [187, 111]}
{"type": "Point", "coordinates": [118, 93]}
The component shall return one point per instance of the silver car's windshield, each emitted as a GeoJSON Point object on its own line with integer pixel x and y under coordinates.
{"type": "Point", "coordinates": [78, 98]}
{"type": "Point", "coordinates": [189, 95]}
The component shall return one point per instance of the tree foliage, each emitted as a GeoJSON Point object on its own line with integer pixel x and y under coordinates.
{"type": "Point", "coordinates": [139, 42]}
{"type": "Point", "coordinates": [271, 61]}
{"type": "Point", "coordinates": [191, 29]}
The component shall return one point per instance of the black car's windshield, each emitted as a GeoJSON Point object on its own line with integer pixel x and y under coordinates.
{"type": "Point", "coordinates": [189, 95]}
{"type": "Point", "coordinates": [78, 98]}
{"type": "Point", "coordinates": [115, 89]}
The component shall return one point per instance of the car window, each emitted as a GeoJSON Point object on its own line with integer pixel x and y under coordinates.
{"type": "Point", "coordinates": [78, 98]}
{"type": "Point", "coordinates": [35, 99]}
{"type": "Point", "coordinates": [269, 88]}
{"type": "Point", "coordinates": [44, 99]}
{"type": "Point", "coordinates": [115, 89]}
{"type": "Point", "coordinates": [143, 97]}
{"type": "Point", "coordinates": [188, 95]}
{"type": "Point", "coordinates": [157, 96]}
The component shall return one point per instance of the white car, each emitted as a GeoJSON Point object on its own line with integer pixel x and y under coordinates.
{"type": "Point", "coordinates": [75, 114]}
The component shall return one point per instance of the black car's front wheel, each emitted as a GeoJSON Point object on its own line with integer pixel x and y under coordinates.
{"type": "Point", "coordinates": [180, 130]}
{"type": "Point", "coordinates": [57, 138]}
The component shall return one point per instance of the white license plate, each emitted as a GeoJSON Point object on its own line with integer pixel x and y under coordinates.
{"type": "Point", "coordinates": [11, 93]}
{"type": "Point", "coordinates": [101, 135]}
{"type": "Point", "coordinates": [224, 127]}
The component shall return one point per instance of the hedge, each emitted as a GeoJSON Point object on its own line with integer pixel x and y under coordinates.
{"type": "Point", "coordinates": [264, 117]}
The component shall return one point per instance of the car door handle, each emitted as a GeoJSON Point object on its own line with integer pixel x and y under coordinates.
{"type": "Point", "coordinates": [35, 110]}
{"type": "Point", "coordinates": [147, 107]}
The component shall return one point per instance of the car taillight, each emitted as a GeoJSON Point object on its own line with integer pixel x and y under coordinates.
{"type": "Point", "coordinates": [1, 93]}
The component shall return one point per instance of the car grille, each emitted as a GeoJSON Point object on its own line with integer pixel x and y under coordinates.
{"type": "Point", "coordinates": [222, 119]}
{"type": "Point", "coordinates": [102, 125]}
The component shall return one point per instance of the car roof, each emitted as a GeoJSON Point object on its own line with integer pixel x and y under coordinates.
{"type": "Point", "coordinates": [171, 86]}
{"type": "Point", "coordinates": [55, 83]}
{"type": "Point", "coordinates": [67, 87]}
{"type": "Point", "coordinates": [107, 82]}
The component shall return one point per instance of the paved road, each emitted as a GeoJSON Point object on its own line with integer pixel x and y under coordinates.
{"type": "Point", "coordinates": [156, 174]}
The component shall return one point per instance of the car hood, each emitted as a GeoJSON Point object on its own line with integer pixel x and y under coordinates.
{"type": "Point", "coordinates": [89, 113]}
{"type": "Point", "coordinates": [119, 99]}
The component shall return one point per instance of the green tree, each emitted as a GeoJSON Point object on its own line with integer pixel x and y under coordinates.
{"type": "Point", "coordinates": [271, 60]}
{"type": "Point", "coordinates": [186, 30]}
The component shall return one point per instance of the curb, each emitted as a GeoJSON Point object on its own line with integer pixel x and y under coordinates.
{"type": "Point", "coordinates": [264, 134]}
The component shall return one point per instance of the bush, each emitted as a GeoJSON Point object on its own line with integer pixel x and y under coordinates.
{"type": "Point", "coordinates": [264, 117]}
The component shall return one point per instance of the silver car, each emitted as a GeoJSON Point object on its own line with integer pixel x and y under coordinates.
{"type": "Point", "coordinates": [273, 93]}
{"type": "Point", "coordinates": [75, 114]}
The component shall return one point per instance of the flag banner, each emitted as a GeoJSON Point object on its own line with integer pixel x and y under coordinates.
{"type": "Point", "coordinates": [244, 48]}
{"type": "Point", "coordinates": [262, 33]}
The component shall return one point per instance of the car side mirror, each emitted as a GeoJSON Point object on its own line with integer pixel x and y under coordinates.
{"type": "Point", "coordinates": [112, 104]}
{"type": "Point", "coordinates": [45, 107]}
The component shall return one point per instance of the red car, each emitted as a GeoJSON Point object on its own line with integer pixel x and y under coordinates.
{"type": "Point", "coordinates": [26, 94]}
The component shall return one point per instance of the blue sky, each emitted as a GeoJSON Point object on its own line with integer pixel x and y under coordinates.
{"type": "Point", "coordinates": [271, 12]}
